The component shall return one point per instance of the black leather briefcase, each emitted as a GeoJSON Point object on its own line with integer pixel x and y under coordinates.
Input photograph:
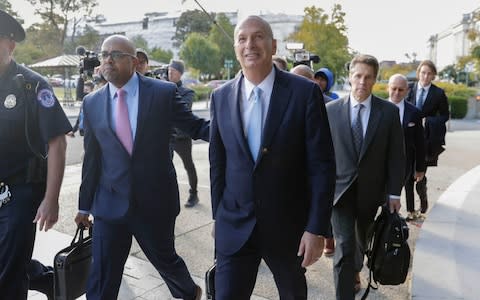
{"type": "Point", "coordinates": [72, 267]}
{"type": "Point", "coordinates": [210, 282]}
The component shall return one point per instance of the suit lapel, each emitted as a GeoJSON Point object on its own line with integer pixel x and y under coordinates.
{"type": "Point", "coordinates": [407, 114]}
{"type": "Point", "coordinates": [105, 113]}
{"type": "Point", "coordinates": [144, 102]}
{"type": "Point", "coordinates": [345, 128]}
{"type": "Point", "coordinates": [279, 100]}
{"type": "Point", "coordinates": [105, 107]}
{"type": "Point", "coordinates": [235, 95]}
{"type": "Point", "coordinates": [373, 121]}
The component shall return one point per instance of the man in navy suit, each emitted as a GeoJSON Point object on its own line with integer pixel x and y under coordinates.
{"type": "Point", "coordinates": [411, 118]}
{"type": "Point", "coordinates": [433, 103]}
{"type": "Point", "coordinates": [129, 183]}
{"type": "Point", "coordinates": [272, 170]}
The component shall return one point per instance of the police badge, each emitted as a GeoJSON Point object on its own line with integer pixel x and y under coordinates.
{"type": "Point", "coordinates": [10, 101]}
{"type": "Point", "coordinates": [5, 194]}
{"type": "Point", "coordinates": [46, 98]}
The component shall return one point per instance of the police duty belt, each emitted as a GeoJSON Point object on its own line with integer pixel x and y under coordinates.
{"type": "Point", "coordinates": [5, 194]}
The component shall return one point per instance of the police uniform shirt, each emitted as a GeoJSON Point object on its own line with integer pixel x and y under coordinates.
{"type": "Point", "coordinates": [51, 120]}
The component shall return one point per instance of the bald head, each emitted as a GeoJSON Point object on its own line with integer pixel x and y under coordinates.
{"type": "Point", "coordinates": [127, 45]}
{"type": "Point", "coordinates": [254, 46]}
{"type": "Point", "coordinates": [119, 60]}
{"type": "Point", "coordinates": [303, 70]}
{"type": "Point", "coordinates": [397, 87]}
{"type": "Point", "coordinates": [261, 23]}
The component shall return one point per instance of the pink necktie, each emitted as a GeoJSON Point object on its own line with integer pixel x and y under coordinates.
{"type": "Point", "coordinates": [122, 122]}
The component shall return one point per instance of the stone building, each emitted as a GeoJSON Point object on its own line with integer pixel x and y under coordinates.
{"type": "Point", "coordinates": [159, 28]}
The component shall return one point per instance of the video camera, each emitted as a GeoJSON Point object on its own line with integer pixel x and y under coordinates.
{"type": "Point", "coordinates": [161, 73]}
{"type": "Point", "coordinates": [301, 56]}
{"type": "Point", "coordinates": [88, 61]}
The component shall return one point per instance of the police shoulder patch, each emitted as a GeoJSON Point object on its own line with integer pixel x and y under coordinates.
{"type": "Point", "coordinates": [46, 98]}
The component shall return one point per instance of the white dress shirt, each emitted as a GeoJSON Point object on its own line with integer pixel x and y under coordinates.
{"type": "Point", "coordinates": [246, 93]}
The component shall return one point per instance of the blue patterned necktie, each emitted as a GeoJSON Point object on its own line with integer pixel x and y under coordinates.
{"type": "Point", "coordinates": [357, 128]}
{"type": "Point", "coordinates": [420, 99]}
{"type": "Point", "coordinates": [254, 126]}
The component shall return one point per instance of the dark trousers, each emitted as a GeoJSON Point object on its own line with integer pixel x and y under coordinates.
{"type": "Point", "coordinates": [350, 233]}
{"type": "Point", "coordinates": [17, 237]}
{"type": "Point", "coordinates": [421, 188]}
{"type": "Point", "coordinates": [236, 274]}
{"type": "Point", "coordinates": [183, 146]}
{"type": "Point", "coordinates": [111, 246]}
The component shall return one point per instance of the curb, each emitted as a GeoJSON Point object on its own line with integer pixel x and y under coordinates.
{"type": "Point", "coordinates": [446, 252]}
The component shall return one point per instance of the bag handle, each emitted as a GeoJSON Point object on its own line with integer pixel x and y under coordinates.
{"type": "Point", "coordinates": [79, 233]}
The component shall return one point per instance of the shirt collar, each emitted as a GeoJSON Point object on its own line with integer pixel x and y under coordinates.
{"type": "Point", "coordinates": [130, 87]}
{"type": "Point", "coordinates": [399, 104]}
{"type": "Point", "coordinates": [427, 87]}
{"type": "Point", "coordinates": [367, 103]}
{"type": "Point", "coordinates": [266, 85]}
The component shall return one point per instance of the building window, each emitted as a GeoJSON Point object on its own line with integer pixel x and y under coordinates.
{"type": "Point", "coordinates": [145, 23]}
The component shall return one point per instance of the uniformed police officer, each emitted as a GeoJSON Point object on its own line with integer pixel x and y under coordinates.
{"type": "Point", "coordinates": [32, 140]}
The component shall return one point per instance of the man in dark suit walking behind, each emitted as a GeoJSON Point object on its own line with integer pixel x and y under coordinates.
{"type": "Point", "coordinates": [370, 162]}
{"type": "Point", "coordinates": [433, 103]}
{"type": "Point", "coordinates": [272, 171]}
{"type": "Point", "coordinates": [129, 183]}
{"type": "Point", "coordinates": [411, 118]}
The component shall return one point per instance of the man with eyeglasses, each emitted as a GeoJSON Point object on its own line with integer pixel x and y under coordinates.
{"type": "Point", "coordinates": [129, 183]}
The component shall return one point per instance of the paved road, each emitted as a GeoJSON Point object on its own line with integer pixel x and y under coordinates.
{"type": "Point", "coordinates": [193, 226]}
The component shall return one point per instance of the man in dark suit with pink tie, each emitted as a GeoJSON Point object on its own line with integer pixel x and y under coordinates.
{"type": "Point", "coordinates": [411, 118]}
{"type": "Point", "coordinates": [272, 171]}
{"type": "Point", "coordinates": [129, 183]}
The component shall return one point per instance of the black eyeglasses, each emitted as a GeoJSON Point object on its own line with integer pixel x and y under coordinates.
{"type": "Point", "coordinates": [115, 55]}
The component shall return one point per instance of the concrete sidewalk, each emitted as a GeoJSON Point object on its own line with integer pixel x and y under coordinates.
{"type": "Point", "coordinates": [446, 264]}
{"type": "Point", "coordinates": [195, 245]}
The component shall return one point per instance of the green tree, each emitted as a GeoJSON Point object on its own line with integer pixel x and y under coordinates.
{"type": "Point", "coordinates": [200, 54]}
{"type": "Point", "coordinates": [325, 35]}
{"type": "Point", "coordinates": [161, 55]}
{"type": "Point", "coordinates": [89, 39]}
{"type": "Point", "coordinates": [449, 72]}
{"type": "Point", "coordinates": [60, 15]}
{"type": "Point", "coordinates": [28, 53]}
{"type": "Point", "coordinates": [6, 6]}
{"type": "Point", "coordinates": [140, 42]}
{"type": "Point", "coordinates": [34, 48]}
{"type": "Point", "coordinates": [191, 21]}
{"type": "Point", "coordinates": [224, 42]}
{"type": "Point", "coordinates": [386, 73]}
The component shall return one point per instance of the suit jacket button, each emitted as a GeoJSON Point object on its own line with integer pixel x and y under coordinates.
{"type": "Point", "coordinates": [264, 150]}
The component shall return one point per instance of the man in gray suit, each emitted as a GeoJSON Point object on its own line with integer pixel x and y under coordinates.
{"type": "Point", "coordinates": [370, 162]}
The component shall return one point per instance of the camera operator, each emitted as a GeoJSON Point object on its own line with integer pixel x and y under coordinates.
{"type": "Point", "coordinates": [32, 127]}
{"type": "Point", "coordinates": [88, 62]}
{"type": "Point", "coordinates": [181, 142]}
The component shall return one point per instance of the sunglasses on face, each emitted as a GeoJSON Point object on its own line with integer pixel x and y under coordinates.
{"type": "Point", "coordinates": [115, 55]}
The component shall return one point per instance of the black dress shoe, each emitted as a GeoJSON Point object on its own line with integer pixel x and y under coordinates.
{"type": "Point", "coordinates": [192, 200]}
{"type": "Point", "coordinates": [43, 284]}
